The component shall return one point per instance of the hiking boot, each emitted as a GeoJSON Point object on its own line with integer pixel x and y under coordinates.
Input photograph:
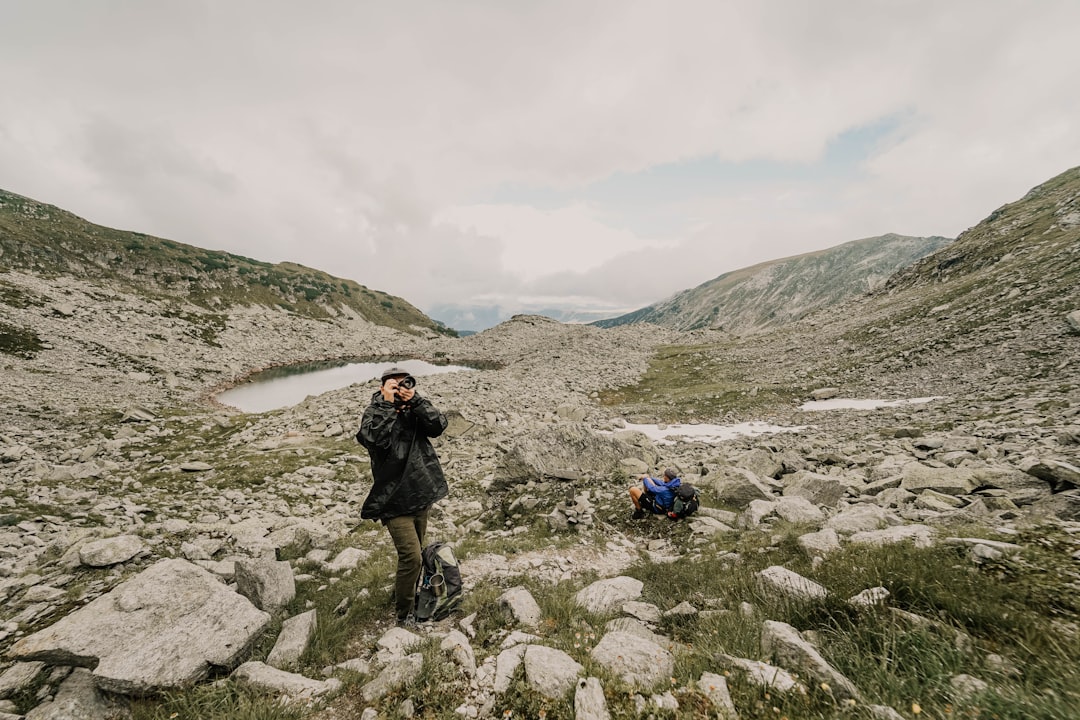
{"type": "Point", "coordinates": [406, 621]}
{"type": "Point", "coordinates": [638, 514]}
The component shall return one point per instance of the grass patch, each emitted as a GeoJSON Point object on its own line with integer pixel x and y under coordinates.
{"type": "Point", "coordinates": [17, 297]}
{"type": "Point", "coordinates": [214, 702]}
{"type": "Point", "coordinates": [699, 381]}
{"type": "Point", "coordinates": [19, 341]}
{"type": "Point", "coordinates": [205, 327]}
{"type": "Point", "coordinates": [969, 612]}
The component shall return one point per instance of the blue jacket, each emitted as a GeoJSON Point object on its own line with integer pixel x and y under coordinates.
{"type": "Point", "coordinates": [662, 491]}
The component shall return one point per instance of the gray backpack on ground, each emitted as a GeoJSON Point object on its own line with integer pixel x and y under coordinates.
{"type": "Point", "coordinates": [439, 589]}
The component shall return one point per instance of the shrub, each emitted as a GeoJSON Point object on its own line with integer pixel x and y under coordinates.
{"type": "Point", "coordinates": [18, 341]}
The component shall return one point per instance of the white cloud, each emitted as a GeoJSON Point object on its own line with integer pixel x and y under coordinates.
{"type": "Point", "coordinates": [536, 243]}
{"type": "Point", "coordinates": [362, 137]}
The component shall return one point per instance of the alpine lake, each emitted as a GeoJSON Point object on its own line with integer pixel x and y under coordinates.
{"type": "Point", "coordinates": [285, 386]}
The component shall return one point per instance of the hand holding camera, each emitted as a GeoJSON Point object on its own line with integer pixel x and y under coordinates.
{"type": "Point", "coordinates": [404, 392]}
{"type": "Point", "coordinates": [399, 390]}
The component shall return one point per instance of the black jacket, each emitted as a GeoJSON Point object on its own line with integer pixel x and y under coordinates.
{"type": "Point", "coordinates": [408, 476]}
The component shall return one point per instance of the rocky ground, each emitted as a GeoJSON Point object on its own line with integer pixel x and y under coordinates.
{"type": "Point", "coordinates": [116, 465]}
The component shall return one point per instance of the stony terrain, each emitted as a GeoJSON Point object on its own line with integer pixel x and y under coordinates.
{"type": "Point", "coordinates": [152, 539]}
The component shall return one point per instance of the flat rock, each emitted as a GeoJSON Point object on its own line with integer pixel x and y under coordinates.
{"type": "Point", "coordinates": [290, 686]}
{"type": "Point", "coordinates": [609, 594]}
{"type": "Point", "coordinates": [522, 606]}
{"type": "Point", "coordinates": [820, 543]}
{"type": "Point", "coordinates": [78, 698]}
{"type": "Point", "coordinates": [787, 647]}
{"type": "Point", "coordinates": [589, 700]}
{"type": "Point", "coordinates": [395, 674]}
{"type": "Point", "coordinates": [780, 580]}
{"type": "Point", "coordinates": [19, 676]}
{"type": "Point", "coordinates": [636, 660]}
{"type": "Point", "coordinates": [1060, 474]}
{"type": "Point", "coordinates": [110, 551]}
{"type": "Point", "coordinates": [950, 481]}
{"type": "Point", "coordinates": [763, 674]}
{"type": "Point", "coordinates": [293, 640]}
{"type": "Point", "coordinates": [715, 688]}
{"type": "Point", "coordinates": [269, 584]}
{"type": "Point", "coordinates": [861, 518]}
{"type": "Point", "coordinates": [549, 671]}
{"type": "Point", "coordinates": [919, 535]}
{"type": "Point", "coordinates": [162, 629]}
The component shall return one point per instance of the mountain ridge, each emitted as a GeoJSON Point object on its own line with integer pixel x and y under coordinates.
{"type": "Point", "coordinates": [48, 240]}
{"type": "Point", "coordinates": [780, 291]}
{"type": "Point", "coordinates": [956, 518]}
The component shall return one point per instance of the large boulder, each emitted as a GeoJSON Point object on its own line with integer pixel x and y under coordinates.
{"type": "Point", "coordinates": [797, 509]}
{"type": "Point", "coordinates": [549, 671]}
{"type": "Point", "coordinates": [861, 518]}
{"type": "Point", "coordinates": [569, 451]}
{"type": "Point", "coordinates": [110, 551]}
{"type": "Point", "coordinates": [761, 462]}
{"type": "Point", "coordinates": [738, 487]}
{"type": "Point", "coordinates": [267, 583]}
{"type": "Point", "coordinates": [1058, 473]}
{"type": "Point", "coordinates": [824, 490]}
{"type": "Point", "coordinates": [950, 481]}
{"type": "Point", "coordinates": [609, 594]}
{"type": "Point", "coordinates": [1021, 487]}
{"type": "Point", "coordinates": [78, 699]}
{"type": "Point", "coordinates": [786, 645]}
{"type": "Point", "coordinates": [1063, 505]}
{"type": "Point", "coordinates": [778, 580]}
{"type": "Point", "coordinates": [165, 628]}
{"type": "Point", "coordinates": [636, 660]}
{"type": "Point", "coordinates": [290, 687]}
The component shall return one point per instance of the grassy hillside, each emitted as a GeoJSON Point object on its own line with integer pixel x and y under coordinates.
{"type": "Point", "coordinates": [1032, 244]}
{"type": "Point", "coordinates": [777, 292]}
{"type": "Point", "coordinates": [977, 316]}
{"type": "Point", "coordinates": [48, 241]}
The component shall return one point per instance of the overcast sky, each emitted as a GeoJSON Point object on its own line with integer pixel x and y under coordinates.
{"type": "Point", "coordinates": [513, 156]}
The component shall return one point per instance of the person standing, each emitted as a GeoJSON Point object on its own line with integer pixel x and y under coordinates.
{"type": "Point", "coordinates": [396, 430]}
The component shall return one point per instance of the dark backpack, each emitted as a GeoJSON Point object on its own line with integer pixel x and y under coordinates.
{"type": "Point", "coordinates": [686, 502]}
{"type": "Point", "coordinates": [435, 600]}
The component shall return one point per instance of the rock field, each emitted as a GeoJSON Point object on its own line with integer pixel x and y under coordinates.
{"type": "Point", "coordinates": [131, 504]}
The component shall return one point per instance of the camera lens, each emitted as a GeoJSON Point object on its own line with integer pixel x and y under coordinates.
{"type": "Point", "coordinates": [408, 382]}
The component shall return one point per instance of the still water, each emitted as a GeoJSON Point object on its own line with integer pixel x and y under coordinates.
{"type": "Point", "coordinates": [285, 386]}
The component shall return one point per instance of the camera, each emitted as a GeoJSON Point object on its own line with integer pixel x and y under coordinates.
{"type": "Point", "coordinates": [407, 383]}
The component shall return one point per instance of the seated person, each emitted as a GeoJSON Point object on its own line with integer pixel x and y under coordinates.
{"type": "Point", "coordinates": [655, 495]}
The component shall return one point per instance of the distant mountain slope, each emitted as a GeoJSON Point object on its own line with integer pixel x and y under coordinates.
{"type": "Point", "coordinates": [1032, 242]}
{"type": "Point", "coordinates": [781, 291]}
{"type": "Point", "coordinates": [49, 241]}
{"type": "Point", "coordinates": [990, 312]}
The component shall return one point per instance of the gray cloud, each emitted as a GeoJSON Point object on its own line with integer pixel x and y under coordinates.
{"type": "Point", "coordinates": [338, 136]}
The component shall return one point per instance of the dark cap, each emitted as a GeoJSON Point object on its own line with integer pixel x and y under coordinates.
{"type": "Point", "coordinates": [671, 473]}
{"type": "Point", "coordinates": [392, 372]}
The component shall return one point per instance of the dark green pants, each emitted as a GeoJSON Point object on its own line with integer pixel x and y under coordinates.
{"type": "Point", "coordinates": [407, 532]}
